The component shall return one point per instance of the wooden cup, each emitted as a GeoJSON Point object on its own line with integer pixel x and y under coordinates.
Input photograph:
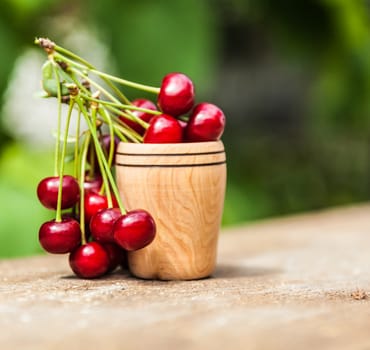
{"type": "Point", "coordinates": [182, 186]}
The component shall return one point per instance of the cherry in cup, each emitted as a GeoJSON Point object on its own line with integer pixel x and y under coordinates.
{"type": "Point", "coordinates": [47, 192]}
{"type": "Point", "coordinates": [164, 128]}
{"type": "Point", "coordinates": [176, 94]}
{"type": "Point", "coordinates": [145, 116]}
{"type": "Point", "coordinates": [206, 123]}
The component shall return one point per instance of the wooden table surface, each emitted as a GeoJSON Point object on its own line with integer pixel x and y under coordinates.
{"type": "Point", "coordinates": [299, 282]}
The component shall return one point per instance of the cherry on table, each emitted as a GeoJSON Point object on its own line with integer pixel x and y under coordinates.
{"type": "Point", "coordinates": [60, 237]}
{"type": "Point", "coordinates": [101, 224]}
{"type": "Point", "coordinates": [206, 123]}
{"type": "Point", "coordinates": [90, 260]}
{"type": "Point", "coordinates": [163, 128]}
{"type": "Point", "coordinates": [134, 230]}
{"type": "Point", "coordinates": [176, 95]}
{"type": "Point", "coordinates": [48, 188]}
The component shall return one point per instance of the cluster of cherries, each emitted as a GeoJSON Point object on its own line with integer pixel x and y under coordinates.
{"type": "Point", "coordinates": [91, 223]}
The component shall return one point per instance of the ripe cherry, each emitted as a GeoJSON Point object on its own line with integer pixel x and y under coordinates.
{"type": "Point", "coordinates": [163, 129]}
{"type": "Point", "coordinates": [101, 224]}
{"type": "Point", "coordinates": [116, 255]}
{"type": "Point", "coordinates": [48, 188]}
{"type": "Point", "coordinates": [134, 230]}
{"type": "Point", "coordinates": [90, 260]}
{"type": "Point", "coordinates": [94, 201]}
{"type": "Point", "coordinates": [93, 183]}
{"type": "Point", "coordinates": [60, 237]}
{"type": "Point", "coordinates": [206, 123]}
{"type": "Point", "coordinates": [142, 103]}
{"type": "Point", "coordinates": [176, 95]}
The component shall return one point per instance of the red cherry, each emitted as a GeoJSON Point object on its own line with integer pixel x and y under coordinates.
{"type": "Point", "coordinates": [101, 224]}
{"type": "Point", "coordinates": [116, 255]}
{"type": "Point", "coordinates": [93, 184]}
{"type": "Point", "coordinates": [176, 95]}
{"type": "Point", "coordinates": [47, 192]}
{"type": "Point", "coordinates": [142, 103]}
{"type": "Point", "coordinates": [135, 230]}
{"type": "Point", "coordinates": [206, 123]}
{"type": "Point", "coordinates": [60, 237]}
{"type": "Point", "coordinates": [90, 260]}
{"type": "Point", "coordinates": [163, 129]}
{"type": "Point", "coordinates": [94, 202]}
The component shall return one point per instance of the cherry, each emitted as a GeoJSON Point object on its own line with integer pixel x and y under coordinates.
{"type": "Point", "coordinates": [101, 224]}
{"type": "Point", "coordinates": [90, 260]}
{"type": "Point", "coordinates": [163, 129]}
{"type": "Point", "coordinates": [47, 192]}
{"type": "Point", "coordinates": [94, 202]}
{"type": "Point", "coordinates": [60, 237]}
{"type": "Point", "coordinates": [116, 255]}
{"type": "Point", "coordinates": [206, 123]}
{"type": "Point", "coordinates": [142, 103]}
{"type": "Point", "coordinates": [93, 183]}
{"type": "Point", "coordinates": [134, 230]}
{"type": "Point", "coordinates": [176, 95]}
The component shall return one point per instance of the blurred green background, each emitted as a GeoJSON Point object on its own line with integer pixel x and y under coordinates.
{"type": "Point", "coordinates": [292, 77]}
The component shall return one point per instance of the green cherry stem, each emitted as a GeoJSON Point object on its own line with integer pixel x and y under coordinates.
{"type": "Point", "coordinates": [93, 83]}
{"type": "Point", "coordinates": [110, 96]}
{"type": "Point", "coordinates": [62, 157]}
{"type": "Point", "coordinates": [92, 69]}
{"type": "Point", "coordinates": [125, 82]}
{"type": "Point", "coordinates": [122, 106]}
{"type": "Point", "coordinates": [101, 155]}
{"type": "Point", "coordinates": [87, 66]}
{"type": "Point", "coordinates": [111, 136]}
{"type": "Point", "coordinates": [85, 147]}
{"type": "Point", "coordinates": [77, 146]}
{"type": "Point", "coordinates": [59, 97]}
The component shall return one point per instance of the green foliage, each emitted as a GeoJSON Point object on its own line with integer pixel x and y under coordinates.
{"type": "Point", "coordinates": [317, 159]}
{"type": "Point", "coordinates": [21, 214]}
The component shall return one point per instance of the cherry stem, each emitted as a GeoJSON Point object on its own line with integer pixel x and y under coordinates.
{"type": "Point", "coordinates": [57, 146]}
{"type": "Point", "coordinates": [92, 82]}
{"type": "Point", "coordinates": [109, 77]}
{"type": "Point", "coordinates": [62, 158]}
{"type": "Point", "coordinates": [111, 136]}
{"type": "Point", "coordinates": [110, 96]}
{"type": "Point", "coordinates": [123, 106]}
{"type": "Point", "coordinates": [125, 82]}
{"type": "Point", "coordinates": [85, 148]}
{"type": "Point", "coordinates": [101, 155]}
{"type": "Point", "coordinates": [87, 65]}
{"type": "Point", "coordinates": [77, 145]}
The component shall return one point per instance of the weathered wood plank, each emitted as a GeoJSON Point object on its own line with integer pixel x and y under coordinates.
{"type": "Point", "coordinates": [293, 283]}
